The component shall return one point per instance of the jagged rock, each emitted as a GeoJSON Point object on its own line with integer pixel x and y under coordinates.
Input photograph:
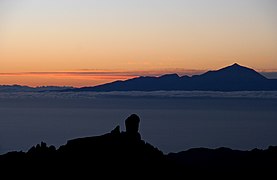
{"type": "Point", "coordinates": [117, 152]}
{"type": "Point", "coordinates": [116, 130]}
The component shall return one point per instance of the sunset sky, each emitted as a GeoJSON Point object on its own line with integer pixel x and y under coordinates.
{"type": "Point", "coordinates": [89, 42]}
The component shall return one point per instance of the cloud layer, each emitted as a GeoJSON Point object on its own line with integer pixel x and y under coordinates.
{"type": "Point", "coordinates": [140, 94]}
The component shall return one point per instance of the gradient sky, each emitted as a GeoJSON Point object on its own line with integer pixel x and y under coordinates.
{"type": "Point", "coordinates": [88, 42]}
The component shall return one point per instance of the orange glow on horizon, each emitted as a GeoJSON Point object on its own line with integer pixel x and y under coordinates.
{"type": "Point", "coordinates": [135, 37]}
{"type": "Point", "coordinates": [87, 77]}
{"type": "Point", "coordinates": [58, 79]}
{"type": "Point", "coordinates": [81, 78]}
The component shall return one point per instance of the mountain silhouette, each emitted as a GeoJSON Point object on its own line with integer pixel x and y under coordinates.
{"type": "Point", "coordinates": [124, 155]}
{"type": "Point", "coordinates": [110, 155]}
{"type": "Point", "coordinates": [231, 78]}
{"type": "Point", "coordinates": [233, 73]}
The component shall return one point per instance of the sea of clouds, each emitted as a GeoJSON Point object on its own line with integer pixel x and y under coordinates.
{"type": "Point", "coordinates": [138, 94]}
{"type": "Point", "coordinates": [170, 120]}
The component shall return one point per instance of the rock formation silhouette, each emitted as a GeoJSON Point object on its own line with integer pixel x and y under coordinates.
{"type": "Point", "coordinates": [124, 155]}
{"type": "Point", "coordinates": [132, 124]}
{"type": "Point", "coordinates": [132, 127]}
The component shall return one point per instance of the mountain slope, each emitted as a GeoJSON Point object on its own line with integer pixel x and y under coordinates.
{"type": "Point", "coordinates": [231, 78]}
{"type": "Point", "coordinates": [126, 155]}
{"type": "Point", "coordinates": [233, 73]}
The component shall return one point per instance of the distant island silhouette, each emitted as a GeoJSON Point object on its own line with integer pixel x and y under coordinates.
{"type": "Point", "coordinates": [124, 155]}
{"type": "Point", "coordinates": [231, 78]}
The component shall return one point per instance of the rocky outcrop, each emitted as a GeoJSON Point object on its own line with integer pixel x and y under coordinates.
{"type": "Point", "coordinates": [124, 155]}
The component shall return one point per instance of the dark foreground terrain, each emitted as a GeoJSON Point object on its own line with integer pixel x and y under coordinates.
{"type": "Point", "coordinates": [123, 155]}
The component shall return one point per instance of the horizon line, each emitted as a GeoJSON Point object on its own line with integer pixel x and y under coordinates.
{"type": "Point", "coordinates": [93, 77]}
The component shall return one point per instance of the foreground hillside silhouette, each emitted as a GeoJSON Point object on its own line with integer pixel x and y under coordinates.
{"type": "Point", "coordinates": [124, 155]}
